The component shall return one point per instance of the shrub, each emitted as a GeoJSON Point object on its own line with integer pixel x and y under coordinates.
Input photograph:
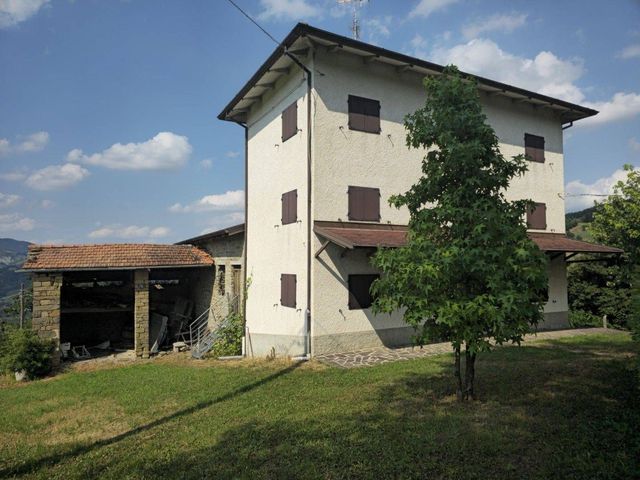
{"type": "Point", "coordinates": [22, 349]}
{"type": "Point", "coordinates": [229, 341]}
{"type": "Point", "coordinates": [581, 318]}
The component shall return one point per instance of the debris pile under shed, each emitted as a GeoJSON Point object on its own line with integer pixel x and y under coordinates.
{"type": "Point", "coordinates": [97, 308]}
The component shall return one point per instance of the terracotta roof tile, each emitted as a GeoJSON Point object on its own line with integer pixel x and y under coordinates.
{"type": "Point", "coordinates": [114, 256]}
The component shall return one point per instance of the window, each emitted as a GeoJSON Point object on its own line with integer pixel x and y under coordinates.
{"type": "Point", "coordinates": [290, 207]}
{"type": "Point", "coordinates": [537, 217]}
{"type": "Point", "coordinates": [364, 204]}
{"type": "Point", "coordinates": [221, 279]}
{"type": "Point", "coordinates": [290, 121]}
{"type": "Point", "coordinates": [360, 291]}
{"type": "Point", "coordinates": [288, 290]}
{"type": "Point", "coordinates": [534, 147]}
{"type": "Point", "coordinates": [364, 114]}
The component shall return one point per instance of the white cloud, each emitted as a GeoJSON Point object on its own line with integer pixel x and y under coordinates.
{"type": "Point", "coordinates": [577, 192]}
{"type": "Point", "coordinates": [55, 177]}
{"type": "Point", "coordinates": [419, 46]}
{"type": "Point", "coordinates": [207, 163]}
{"type": "Point", "coordinates": [424, 8]}
{"type": "Point", "coordinates": [5, 146]}
{"type": "Point", "coordinates": [16, 176]}
{"type": "Point", "coordinates": [129, 232]}
{"type": "Point", "coordinates": [634, 144]}
{"type": "Point", "coordinates": [8, 200]}
{"type": "Point", "coordinates": [33, 142]}
{"type": "Point", "coordinates": [377, 28]}
{"type": "Point", "coordinates": [46, 204]}
{"type": "Point", "coordinates": [545, 73]}
{"type": "Point", "coordinates": [14, 222]}
{"type": "Point", "coordinates": [13, 12]}
{"type": "Point", "coordinates": [233, 218]}
{"type": "Point", "coordinates": [288, 10]}
{"type": "Point", "coordinates": [505, 23]}
{"type": "Point", "coordinates": [621, 107]}
{"type": "Point", "coordinates": [631, 51]}
{"type": "Point", "coordinates": [164, 151]}
{"type": "Point", "coordinates": [232, 154]}
{"type": "Point", "coordinates": [230, 200]}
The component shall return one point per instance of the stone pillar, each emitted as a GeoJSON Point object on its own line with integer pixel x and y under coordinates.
{"type": "Point", "coordinates": [141, 312]}
{"type": "Point", "coordinates": [46, 308]}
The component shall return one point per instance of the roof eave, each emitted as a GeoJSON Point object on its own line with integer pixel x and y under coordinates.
{"type": "Point", "coordinates": [573, 112]}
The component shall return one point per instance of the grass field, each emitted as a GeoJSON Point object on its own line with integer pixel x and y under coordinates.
{"type": "Point", "coordinates": [557, 409]}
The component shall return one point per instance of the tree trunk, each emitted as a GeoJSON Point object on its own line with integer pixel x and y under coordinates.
{"type": "Point", "coordinates": [458, 374]}
{"type": "Point", "coordinates": [469, 374]}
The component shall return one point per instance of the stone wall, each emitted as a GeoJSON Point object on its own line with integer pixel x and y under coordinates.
{"type": "Point", "coordinates": [46, 305]}
{"type": "Point", "coordinates": [218, 290]}
{"type": "Point", "coordinates": [141, 313]}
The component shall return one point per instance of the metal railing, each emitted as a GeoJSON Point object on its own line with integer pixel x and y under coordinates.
{"type": "Point", "coordinates": [201, 336]}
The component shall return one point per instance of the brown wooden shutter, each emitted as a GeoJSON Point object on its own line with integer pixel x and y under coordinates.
{"type": "Point", "coordinates": [534, 147]}
{"type": "Point", "coordinates": [290, 207]}
{"type": "Point", "coordinates": [364, 204]}
{"type": "Point", "coordinates": [288, 290]}
{"type": "Point", "coordinates": [360, 290]}
{"type": "Point", "coordinates": [364, 114]}
{"type": "Point", "coordinates": [537, 217]}
{"type": "Point", "coordinates": [290, 121]}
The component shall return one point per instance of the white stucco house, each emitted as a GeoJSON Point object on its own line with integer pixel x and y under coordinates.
{"type": "Point", "coordinates": [325, 148]}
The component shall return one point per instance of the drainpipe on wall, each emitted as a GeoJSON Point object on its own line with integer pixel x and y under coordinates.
{"type": "Point", "coordinates": [307, 72]}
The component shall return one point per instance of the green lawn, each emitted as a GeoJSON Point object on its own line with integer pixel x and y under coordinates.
{"type": "Point", "coordinates": [559, 409]}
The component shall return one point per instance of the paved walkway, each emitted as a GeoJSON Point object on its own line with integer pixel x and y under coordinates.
{"type": "Point", "coordinates": [367, 358]}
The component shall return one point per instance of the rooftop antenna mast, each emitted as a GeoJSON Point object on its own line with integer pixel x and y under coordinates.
{"type": "Point", "coordinates": [355, 9]}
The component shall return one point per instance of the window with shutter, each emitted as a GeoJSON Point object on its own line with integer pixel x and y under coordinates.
{"type": "Point", "coordinates": [364, 204]}
{"type": "Point", "coordinates": [290, 121]}
{"type": "Point", "coordinates": [364, 114]}
{"type": "Point", "coordinates": [534, 147]}
{"type": "Point", "coordinates": [288, 290]}
{"type": "Point", "coordinates": [290, 207]}
{"type": "Point", "coordinates": [537, 217]}
{"type": "Point", "coordinates": [360, 291]}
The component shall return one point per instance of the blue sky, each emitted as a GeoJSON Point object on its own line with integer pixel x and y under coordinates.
{"type": "Point", "coordinates": [108, 129]}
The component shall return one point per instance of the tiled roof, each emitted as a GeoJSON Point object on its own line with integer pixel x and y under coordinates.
{"type": "Point", "coordinates": [351, 235]}
{"type": "Point", "coordinates": [557, 242]}
{"type": "Point", "coordinates": [121, 256]}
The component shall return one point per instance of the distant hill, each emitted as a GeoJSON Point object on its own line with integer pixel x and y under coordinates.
{"type": "Point", "coordinates": [577, 224]}
{"type": "Point", "coordinates": [12, 255]}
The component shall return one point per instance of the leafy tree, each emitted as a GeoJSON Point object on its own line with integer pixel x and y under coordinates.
{"type": "Point", "coordinates": [468, 272]}
{"type": "Point", "coordinates": [11, 310]}
{"type": "Point", "coordinates": [612, 289]}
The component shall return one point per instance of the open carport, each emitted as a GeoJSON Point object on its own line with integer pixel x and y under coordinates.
{"type": "Point", "coordinates": [117, 295]}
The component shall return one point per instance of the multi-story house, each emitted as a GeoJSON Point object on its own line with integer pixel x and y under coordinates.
{"type": "Point", "coordinates": [325, 149]}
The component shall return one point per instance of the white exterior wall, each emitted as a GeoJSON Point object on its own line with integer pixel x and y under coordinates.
{"type": "Point", "coordinates": [342, 157]}
{"type": "Point", "coordinates": [276, 167]}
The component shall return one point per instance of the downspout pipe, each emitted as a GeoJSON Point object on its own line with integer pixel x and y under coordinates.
{"type": "Point", "coordinates": [307, 72]}
{"type": "Point", "coordinates": [246, 230]}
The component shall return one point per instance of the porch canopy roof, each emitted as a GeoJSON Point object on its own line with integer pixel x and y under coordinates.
{"type": "Point", "coordinates": [118, 256]}
{"type": "Point", "coordinates": [351, 235]}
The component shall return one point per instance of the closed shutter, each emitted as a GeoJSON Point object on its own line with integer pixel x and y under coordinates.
{"type": "Point", "coordinates": [534, 147]}
{"type": "Point", "coordinates": [290, 207]}
{"type": "Point", "coordinates": [290, 121]}
{"type": "Point", "coordinates": [364, 114]}
{"type": "Point", "coordinates": [288, 290]}
{"type": "Point", "coordinates": [537, 217]}
{"type": "Point", "coordinates": [360, 291]}
{"type": "Point", "coordinates": [364, 204]}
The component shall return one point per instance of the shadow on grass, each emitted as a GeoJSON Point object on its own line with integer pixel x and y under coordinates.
{"type": "Point", "coordinates": [537, 418]}
{"type": "Point", "coordinates": [83, 449]}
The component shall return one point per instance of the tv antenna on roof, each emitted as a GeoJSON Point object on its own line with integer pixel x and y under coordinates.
{"type": "Point", "coordinates": [355, 21]}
